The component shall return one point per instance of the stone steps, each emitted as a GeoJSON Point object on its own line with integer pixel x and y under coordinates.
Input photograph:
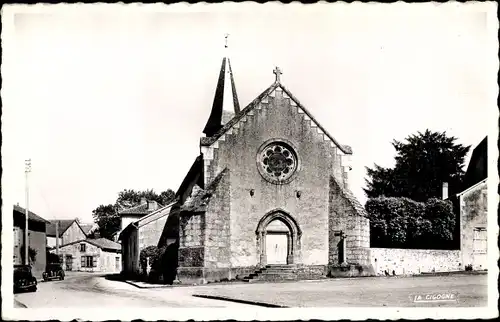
{"type": "Point", "coordinates": [273, 273]}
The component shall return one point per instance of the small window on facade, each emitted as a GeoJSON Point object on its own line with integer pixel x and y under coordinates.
{"type": "Point", "coordinates": [89, 261]}
{"type": "Point", "coordinates": [83, 247]}
{"type": "Point", "coordinates": [479, 242]}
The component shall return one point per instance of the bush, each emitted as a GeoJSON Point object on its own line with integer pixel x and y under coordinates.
{"type": "Point", "coordinates": [468, 267]}
{"type": "Point", "coordinates": [31, 254]}
{"type": "Point", "coordinates": [154, 255]}
{"type": "Point", "coordinates": [405, 223]}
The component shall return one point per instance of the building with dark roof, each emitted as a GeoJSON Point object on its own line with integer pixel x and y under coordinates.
{"type": "Point", "coordinates": [132, 214]}
{"type": "Point", "coordinates": [473, 208]}
{"type": "Point", "coordinates": [37, 237]}
{"type": "Point", "coordinates": [98, 255]}
{"type": "Point", "coordinates": [145, 231]}
{"type": "Point", "coordinates": [68, 230]}
{"type": "Point", "coordinates": [270, 164]}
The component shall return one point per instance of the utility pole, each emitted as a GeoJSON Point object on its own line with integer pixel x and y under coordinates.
{"type": "Point", "coordinates": [27, 169]}
{"type": "Point", "coordinates": [57, 238]}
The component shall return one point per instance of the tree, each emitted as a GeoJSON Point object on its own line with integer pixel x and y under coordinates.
{"type": "Point", "coordinates": [423, 162]}
{"type": "Point", "coordinates": [106, 216]}
{"type": "Point", "coordinates": [31, 254]}
{"type": "Point", "coordinates": [52, 258]}
{"type": "Point", "coordinates": [130, 198]}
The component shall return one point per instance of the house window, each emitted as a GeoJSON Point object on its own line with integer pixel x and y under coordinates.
{"type": "Point", "coordinates": [479, 243]}
{"type": "Point", "coordinates": [89, 261]}
{"type": "Point", "coordinates": [117, 264]}
{"type": "Point", "coordinates": [69, 262]}
{"type": "Point", "coordinates": [83, 248]}
{"type": "Point", "coordinates": [17, 237]}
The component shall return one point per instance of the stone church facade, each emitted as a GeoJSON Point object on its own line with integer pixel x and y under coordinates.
{"type": "Point", "coordinates": [270, 187]}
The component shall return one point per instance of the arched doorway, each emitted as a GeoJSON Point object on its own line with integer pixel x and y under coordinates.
{"type": "Point", "coordinates": [277, 236]}
{"type": "Point", "coordinates": [278, 239]}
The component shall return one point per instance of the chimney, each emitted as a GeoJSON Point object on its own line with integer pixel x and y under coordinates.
{"type": "Point", "coordinates": [143, 200]}
{"type": "Point", "coordinates": [445, 190]}
{"type": "Point", "coordinates": [152, 205]}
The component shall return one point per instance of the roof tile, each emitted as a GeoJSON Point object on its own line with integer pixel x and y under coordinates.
{"type": "Point", "coordinates": [31, 215]}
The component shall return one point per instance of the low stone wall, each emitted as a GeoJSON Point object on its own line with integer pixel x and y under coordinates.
{"type": "Point", "coordinates": [414, 261]}
{"type": "Point", "coordinates": [309, 272]}
{"type": "Point", "coordinates": [350, 270]}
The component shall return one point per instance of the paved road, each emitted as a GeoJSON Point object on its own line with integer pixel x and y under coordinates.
{"type": "Point", "coordinates": [358, 292]}
{"type": "Point", "coordinates": [89, 290]}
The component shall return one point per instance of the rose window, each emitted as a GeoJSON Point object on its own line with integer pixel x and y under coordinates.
{"type": "Point", "coordinates": [277, 162]}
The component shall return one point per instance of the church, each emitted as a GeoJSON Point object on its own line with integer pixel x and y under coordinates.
{"type": "Point", "coordinates": [268, 195]}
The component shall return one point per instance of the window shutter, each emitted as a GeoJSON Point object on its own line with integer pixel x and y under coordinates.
{"type": "Point", "coordinates": [83, 261]}
{"type": "Point", "coordinates": [94, 263]}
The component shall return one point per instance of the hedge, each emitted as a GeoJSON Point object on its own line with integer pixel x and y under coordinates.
{"type": "Point", "coordinates": [405, 223]}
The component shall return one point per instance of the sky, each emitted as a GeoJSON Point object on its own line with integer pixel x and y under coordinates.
{"type": "Point", "coordinates": [106, 98]}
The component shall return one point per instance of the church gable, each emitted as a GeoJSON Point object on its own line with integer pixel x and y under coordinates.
{"type": "Point", "coordinates": [234, 123]}
{"type": "Point", "coordinates": [258, 111]}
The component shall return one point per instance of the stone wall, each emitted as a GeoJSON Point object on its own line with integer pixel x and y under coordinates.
{"type": "Point", "coordinates": [473, 223]}
{"type": "Point", "coordinates": [191, 240]}
{"type": "Point", "coordinates": [151, 229]}
{"type": "Point", "coordinates": [37, 240]}
{"type": "Point", "coordinates": [414, 261]}
{"type": "Point", "coordinates": [130, 253]}
{"type": "Point", "coordinates": [72, 234]}
{"type": "Point", "coordinates": [344, 217]}
{"type": "Point", "coordinates": [104, 261]}
{"type": "Point", "coordinates": [276, 118]}
{"type": "Point", "coordinates": [217, 230]}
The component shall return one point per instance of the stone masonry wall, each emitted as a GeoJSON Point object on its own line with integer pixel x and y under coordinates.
{"type": "Point", "coordinates": [149, 234]}
{"type": "Point", "coordinates": [72, 234]}
{"type": "Point", "coordinates": [217, 239]}
{"type": "Point", "coordinates": [473, 215]}
{"type": "Point", "coordinates": [191, 240]}
{"type": "Point", "coordinates": [73, 250]}
{"type": "Point", "coordinates": [343, 217]}
{"type": "Point", "coordinates": [414, 261]}
{"type": "Point", "coordinates": [276, 118]}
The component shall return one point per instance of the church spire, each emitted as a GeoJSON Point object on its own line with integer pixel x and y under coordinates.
{"type": "Point", "coordinates": [226, 102]}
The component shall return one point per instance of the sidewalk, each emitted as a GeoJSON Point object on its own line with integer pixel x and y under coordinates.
{"type": "Point", "coordinates": [140, 284]}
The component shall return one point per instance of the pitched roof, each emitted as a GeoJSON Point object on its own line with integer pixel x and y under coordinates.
{"type": "Point", "coordinates": [104, 243]}
{"type": "Point", "coordinates": [86, 228]}
{"type": "Point", "coordinates": [350, 198]}
{"type": "Point", "coordinates": [477, 170]}
{"type": "Point", "coordinates": [209, 140]}
{"type": "Point", "coordinates": [214, 122]}
{"type": "Point", "coordinates": [31, 215]}
{"type": "Point", "coordinates": [200, 198]}
{"type": "Point", "coordinates": [194, 174]}
{"type": "Point", "coordinates": [63, 226]}
{"type": "Point", "coordinates": [140, 209]}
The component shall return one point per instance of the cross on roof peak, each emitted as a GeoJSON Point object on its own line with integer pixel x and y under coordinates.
{"type": "Point", "coordinates": [277, 72]}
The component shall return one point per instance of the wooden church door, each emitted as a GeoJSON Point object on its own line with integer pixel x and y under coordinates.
{"type": "Point", "coordinates": [276, 248]}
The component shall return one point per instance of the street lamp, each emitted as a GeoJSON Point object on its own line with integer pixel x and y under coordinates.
{"type": "Point", "coordinates": [27, 169]}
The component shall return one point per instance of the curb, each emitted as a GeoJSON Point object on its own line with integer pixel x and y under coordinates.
{"type": "Point", "coordinates": [452, 273]}
{"type": "Point", "coordinates": [147, 287]}
{"type": "Point", "coordinates": [229, 299]}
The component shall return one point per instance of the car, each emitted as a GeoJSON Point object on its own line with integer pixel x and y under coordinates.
{"type": "Point", "coordinates": [24, 279]}
{"type": "Point", "coordinates": [52, 272]}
